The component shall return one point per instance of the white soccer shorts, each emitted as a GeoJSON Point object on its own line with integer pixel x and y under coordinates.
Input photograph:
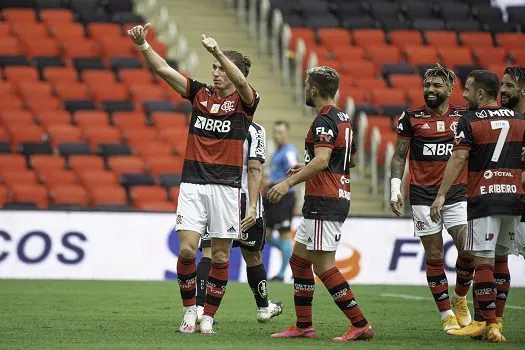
{"type": "Point", "coordinates": [485, 233]}
{"type": "Point", "coordinates": [210, 209]}
{"type": "Point", "coordinates": [451, 215]}
{"type": "Point", "coordinates": [320, 235]}
{"type": "Point", "coordinates": [520, 239]}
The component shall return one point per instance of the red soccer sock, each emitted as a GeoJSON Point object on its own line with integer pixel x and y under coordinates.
{"type": "Point", "coordinates": [502, 279]}
{"type": "Point", "coordinates": [187, 277]}
{"type": "Point", "coordinates": [340, 290]}
{"type": "Point", "coordinates": [216, 287]}
{"type": "Point", "coordinates": [304, 286]}
{"type": "Point", "coordinates": [464, 275]}
{"type": "Point", "coordinates": [438, 283]}
{"type": "Point", "coordinates": [485, 289]}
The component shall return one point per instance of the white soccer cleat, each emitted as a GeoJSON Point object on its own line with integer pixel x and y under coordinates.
{"type": "Point", "coordinates": [200, 313]}
{"type": "Point", "coordinates": [188, 321]}
{"type": "Point", "coordinates": [265, 314]}
{"type": "Point", "coordinates": [207, 325]}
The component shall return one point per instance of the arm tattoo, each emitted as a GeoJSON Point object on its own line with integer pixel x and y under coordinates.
{"type": "Point", "coordinates": [399, 158]}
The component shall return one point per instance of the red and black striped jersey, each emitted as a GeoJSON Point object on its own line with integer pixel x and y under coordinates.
{"type": "Point", "coordinates": [494, 137]}
{"type": "Point", "coordinates": [218, 129]}
{"type": "Point", "coordinates": [327, 195]}
{"type": "Point", "coordinates": [431, 140]}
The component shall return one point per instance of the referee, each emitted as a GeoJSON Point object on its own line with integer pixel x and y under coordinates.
{"type": "Point", "coordinates": [279, 215]}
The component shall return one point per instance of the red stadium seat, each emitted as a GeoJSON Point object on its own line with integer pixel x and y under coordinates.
{"type": "Point", "coordinates": [29, 194]}
{"type": "Point", "coordinates": [108, 195]}
{"type": "Point", "coordinates": [477, 39]}
{"type": "Point", "coordinates": [100, 31]}
{"type": "Point", "coordinates": [457, 98]}
{"type": "Point", "coordinates": [81, 164]}
{"type": "Point", "coordinates": [38, 104]}
{"type": "Point", "coordinates": [369, 37]}
{"type": "Point", "coordinates": [71, 90]}
{"type": "Point", "coordinates": [117, 46]}
{"type": "Point", "coordinates": [406, 81]}
{"type": "Point", "coordinates": [383, 123]}
{"type": "Point", "coordinates": [17, 177]}
{"type": "Point", "coordinates": [420, 55]}
{"type": "Point", "coordinates": [16, 117]}
{"type": "Point", "coordinates": [66, 31]}
{"type": "Point", "coordinates": [440, 39]}
{"type": "Point", "coordinates": [386, 138]}
{"type": "Point", "coordinates": [30, 89]}
{"type": "Point", "coordinates": [47, 163]}
{"type": "Point", "coordinates": [126, 120]}
{"type": "Point", "coordinates": [415, 97]}
{"type": "Point", "coordinates": [518, 56]}
{"type": "Point", "coordinates": [510, 41]}
{"type": "Point", "coordinates": [152, 148]}
{"type": "Point", "coordinates": [369, 83]}
{"type": "Point", "coordinates": [55, 16]}
{"type": "Point", "coordinates": [5, 29]}
{"type": "Point", "coordinates": [141, 93]}
{"type": "Point", "coordinates": [307, 34]}
{"type": "Point", "coordinates": [358, 95]}
{"type": "Point", "coordinates": [158, 46]}
{"type": "Point", "coordinates": [53, 118]}
{"type": "Point", "coordinates": [12, 162]}
{"type": "Point", "coordinates": [360, 69]}
{"type": "Point", "coordinates": [91, 119]}
{"type": "Point", "coordinates": [383, 54]}
{"type": "Point", "coordinates": [6, 88]}
{"type": "Point", "coordinates": [138, 134]}
{"type": "Point", "coordinates": [132, 77]}
{"type": "Point", "coordinates": [54, 177]}
{"type": "Point", "coordinates": [19, 74]}
{"type": "Point", "coordinates": [64, 133]}
{"type": "Point", "coordinates": [98, 134]}
{"type": "Point", "coordinates": [3, 135]}
{"type": "Point", "coordinates": [174, 194]}
{"type": "Point", "coordinates": [25, 133]}
{"type": "Point", "coordinates": [139, 194]}
{"type": "Point", "coordinates": [29, 31]}
{"type": "Point", "coordinates": [169, 120]}
{"type": "Point", "coordinates": [160, 206]}
{"type": "Point", "coordinates": [11, 101]}
{"type": "Point", "coordinates": [388, 96]}
{"type": "Point", "coordinates": [77, 47]}
{"type": "Point", "coordinates": [68, 194]}
{"type": "Point", "coordinates": [16, 15]}
{"type": "Point", "coordinates": [91, 179]}
{"type": "Point", "coordinates": [108, 92]}
{"type": "Point", "coordinates": [60, 75]}
{"type": "Point", "coordinates": [494, 55]}
{"type": "Point", "coordinates": [98, 77]}
{"type": "Point", "coordinates": [164, 164]}
{"type": "Point", "coordinates": [403, 38]}
{"type": "Point", "coordinates": [126, 164]}
{"type": "Point", "coordinates": [334, 37]}
{"type": "Point", "coordinates": [3, 195]}
{"type": "Point", "coordinates": [344, 53]}
{"type": "Point", "coordinates": [10, 46]}
{"type": "Point", "coordinates": [451, 57]}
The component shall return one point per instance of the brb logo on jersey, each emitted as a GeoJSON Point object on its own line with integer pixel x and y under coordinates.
{"type": "Point", "coordinates": [437, 149]}
{"type": "Point", "coordinates": [215, 125]}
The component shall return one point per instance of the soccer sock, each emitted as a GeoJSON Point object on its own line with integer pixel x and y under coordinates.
{"type": "Point", "coordinates": [304, 286]}
{"type": "Point", "coordinates": [187, 276]}
{"type": "Point", "coordinates": [203, 271]}
{"type": "Point", "coordinates": [286, 251]}
{"type": "Point", "coordinates": [502, 279]}
{"type": "Point", "coordinates": [257, 281]}
{"type": "Point", "coordinates": [485, 289]}
{"type": "Point", "coordinates": [464, 275]}
{"type": "Point", "coordinates": [216, 287]}
{"type": "Point", "coordinates": [477, 313]}
{"type": "Point", "coordinates": [340, 290]}
{"type": "Point", "coordinates": [438, 284]}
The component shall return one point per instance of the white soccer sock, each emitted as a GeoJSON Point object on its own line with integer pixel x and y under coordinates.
{"type": "Point", "coordinates": [444, 314]}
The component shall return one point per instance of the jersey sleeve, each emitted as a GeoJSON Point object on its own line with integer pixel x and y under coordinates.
{"type": "Point", "coordinates": [325, 131]}
{"type": "Point", "coordinates": [257, 147]}
{"type": "Point", "coordinates": [463, 137]}
{"type": "Point", "coordinates": [250, 109]}
{"type": "Point", "coordinates": [404, 127]}
{"type": "Point", "coordinates": [192, 87]}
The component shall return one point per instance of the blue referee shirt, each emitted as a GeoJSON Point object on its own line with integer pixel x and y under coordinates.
{"type": "Point", "coordinates": [282, 160]}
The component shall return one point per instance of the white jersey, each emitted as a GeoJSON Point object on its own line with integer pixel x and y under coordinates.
{"type": "Point", "coordinates": [254, 149]}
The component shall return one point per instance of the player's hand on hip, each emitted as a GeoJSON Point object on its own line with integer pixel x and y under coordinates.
{"type": "Point", "coordinates": [435, 209]}
{"type": "Point", "coordinates": [210, 44]}
{"type": "Point", "coordinates": [295, 169]}
{"type": "Point", "coordinates": [397, 205]}
{"type": "Point", "coordinates": [278, 191]}
{"type": "Point", "coordinates": [138, 33]}
{"type": "Point", "coordinates": [523, 154]}
{"type": "Point", "coordinates": [249, 220]}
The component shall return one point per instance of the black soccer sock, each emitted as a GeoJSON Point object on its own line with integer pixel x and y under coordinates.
{"type": "Point", "coordinates": [257, 281]}
{"type": "Point", "coordinates": [203, 271]}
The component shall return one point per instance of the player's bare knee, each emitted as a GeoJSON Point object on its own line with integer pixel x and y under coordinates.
{"type": "Point", "coordinates": [252, 258]}
{"type": "Point", "coordinates": [187, 251]}
{"type": "Point", "coordinates": [433, 245]}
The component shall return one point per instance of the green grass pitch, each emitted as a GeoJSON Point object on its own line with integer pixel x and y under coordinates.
{"type": "Point", "coordinates": [146, 315]}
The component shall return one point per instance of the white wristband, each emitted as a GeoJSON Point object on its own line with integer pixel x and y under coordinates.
{"type": "Point", "coordinates": [144, 46]}
{"type": "Point", "coordinates": [395, 189]}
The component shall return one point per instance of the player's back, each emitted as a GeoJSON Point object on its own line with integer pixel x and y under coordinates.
{"type": "Point", "coordinates": [327, 195]}
{"type": "Point", "coordinates": [495, 137]}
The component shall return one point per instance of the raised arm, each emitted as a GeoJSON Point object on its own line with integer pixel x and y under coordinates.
{"type": "Point", "coordinates": [232, 71]}
{"type": "Point", "coordinates": [158, 64]}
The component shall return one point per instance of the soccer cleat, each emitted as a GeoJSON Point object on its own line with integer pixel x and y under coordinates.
{"type": "Point", "coordinates": [296, 332]}
{"type": "Point", "coordinates": [460, 308]}
{"type": "Point", "coordinates": [494, 333]}
{"type": "Point", "coordinates": [499, 320]}
{"type": "Point", "coordinates": [207, 325]}
{"type": "Point", "coordinates": [475, 329]}
{"type": "Point", "coordinates": [189, 319]}
{"type": "Point", "coordinates": [357, 333]}
{"type": "Point", "coordinates": [450, 323]}
{"type": "Point", "coordinates": [265, 314]}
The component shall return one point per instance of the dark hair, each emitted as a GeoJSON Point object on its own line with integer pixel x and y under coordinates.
{"type": "Point", "coordinates": [517, 73]}
{"type": "Point", "coordinates": [326, 79]}
{"type": "Point", "coordinates": [282, 122]}
{"type": "Point", "coordinates": [438, 70]}
{"type": "Point", "coordinates": [485, 80]}
{"type": "Point", "coordinates": [242, 62]}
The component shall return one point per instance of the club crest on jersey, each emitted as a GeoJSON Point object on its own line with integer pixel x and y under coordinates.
{"type": "Point", "coordinates": [440, 126]}
{"type": "Point", "coordinates": [454, 126]}
{"type": "Point", "coordinates": [228, 106]}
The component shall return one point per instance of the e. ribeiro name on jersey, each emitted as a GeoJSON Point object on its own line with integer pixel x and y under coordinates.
{"type": "Point", "coordinates": [431, 141]}
{"type": "Point", "coordinates": [218, 129]}
{"type": "Point", "coordinates": [254, 149]}
{"type": "Point", "coordinates": [494, 137]}
{"type": "Point", "coordinates": [327, 195]}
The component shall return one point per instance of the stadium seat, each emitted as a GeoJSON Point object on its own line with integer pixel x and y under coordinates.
{"type": "Point", "coordinates": [132, 179]}
{"type": "Point", "coordinates": [64, 133]}
{"type": "Point", "coordinates": [29, 89]}
{"type": "Point", "coordinates": [56, 117]}
{"type": "Point", "coordinates": [152, 148]}
{"type": "Point", "coordinates": [168, 180]}
{"type": "Point", "coordinates": [16, 117]}
{"type": "Point", "coordinates": [518, 56]}
{"type": "Point", "coordinates": [126, 120]}
{"type": "Point", "coordinates": [55, 177]}
{"type": "Point", "coordinates": [117, 106]}
{"type": "Point", "coordinates": [35, 47]}
{"type": "Point", "coordinates": [21, 74]}
{"type": "Point", "coordinates": [418, 55]}
{"type": "Point", "coordinates": [98, 134]}
{"type": "Point", "coordinates": [149, 92]}
{"type": "Point", "coordinates": [42, 104]}
{"type": "Point", "coordinates": [68, 149]}
{"type": "Point", "coordinates": [17, 15]}
{"type": "Point", "coordinates": [77, 47]}
{"type": "Point", "coordinates": [157, 206]}
{"type": "Point", "coordinates": [158, 165]}
{"type": "Point", "coordinates": [454, 56]}
{"type": "Point", "coordinates": [140, 194]}
{"type": "Point", "coordinates": [17, 177]}
{"type": "Point", "coordinates": [88, 63]}
{"type": "Point", "coordinates": [358, 95]}
{"type": "Point", "coordinates": [3, 195]}
{"type": "Point", "coordinates": [51, 16]}
{"type": "Point", "coordinates": [406, 81]}
{"type": "Point", "coordinates": [477, 39]}
{"type": "Point", "coordinates": [415, 97]}
{"type": "Point", "coordinates": [98, 77]}
{"type": "Point", "coordinates": [510, 41]}
{"type": "Point", "coordinates": [117, 46]}
{"type": "Point", "coordinates": [139, 134]}
{"type": "Point", "coordinates": [45, 162]}
{"type": "Point", "coordinates": [441, 39]}
{"type": "Point", "coordinates": [31, 148]}
{"type": "Point", "coordinates": [82, 163]}
{"type": "Point", "coordinates": [60, 75]}
{"type": "Point", "coordinates": [174, 194]}
{"type": "Point", "coordinates": [126, 164]}
{"type": "Point", "coordinates": [91, 179]}
{"type": "Point", "coordinates": [109, 92]}
{"type": "Point", "coordinates": [403, 38]}
{"type": "Point", "coordinates": [25, 133]}
{"type": "Point", "coordinates": [368, 37]}
{"type": "Point", "coordinates": [388, 96]}
{"type": "Point", "coordinates": [68, 194]}
{"type": "Point", "coordinates": [11, 101]}
{"type": "Point", "coordinates": [343, 53]}
{"type": "Point", "coordinates": [370, 83]}
{"type": "Point", "coordinates": [79, 105]}
{"type": "Point", "coordinates": [108, 195]}
{"type": "Point", "coordinates": [29, 194]}
{"type": "Point", "coordinates": [109, 150]}
{"type": "Point", "coordinates": [10, 46]}
{"type": "Point", "coordinates": [360, 69]}
{"type": "Point", "coordinates": [71, 90]}
{"type": "Point", "coordinates": [12, 162]}
{"type": "Point", "coordinates": [487, 57]}
{"type": "Point", "coordinates": [380, 55]}
{"type": "Point", "coordinates": [91, 118]}
{"type": "Point", "coordinates": [169, 120]}
{"type": "Point", "coordinates": [100, 31]}
{"type": "Point", "coordinates": [117, 63]}
{"type": "Point", "coordinates": [132, 77]}
{"type": "Point", "coordinates": [334, 37]}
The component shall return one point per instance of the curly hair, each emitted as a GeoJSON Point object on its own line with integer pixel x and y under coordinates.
{"type": "Point", "coordinates": [438, 70]}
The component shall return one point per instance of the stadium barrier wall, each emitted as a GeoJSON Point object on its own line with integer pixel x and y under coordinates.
{"type": "Point", "coordinates": [143, 246]}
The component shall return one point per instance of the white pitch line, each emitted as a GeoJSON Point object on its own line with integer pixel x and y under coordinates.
{"type": "Point", "coordinates": [417, 297]}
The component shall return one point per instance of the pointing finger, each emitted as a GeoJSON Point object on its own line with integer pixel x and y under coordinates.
{"type": "Point", "coordinates": [203, 36]}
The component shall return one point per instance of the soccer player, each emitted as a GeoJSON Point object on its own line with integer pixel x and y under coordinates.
{"type": "Point", "coordinates": [491, 139]}
{"type": "Point", "coordinates": [428, 132]}
{"type": "Point", "coordinates": [279, 215]}
{"type": "Point", "coordinates": [252, 237]}
{"type": "Point", "coordinates": [326, 204]}
{"type": "Point", "coordinates": [211, 177]}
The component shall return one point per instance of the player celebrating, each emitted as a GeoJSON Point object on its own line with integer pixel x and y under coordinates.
{"type": "Point", "coordinates": [326, 205]}
{"type": "Point", "coordinates": [428, 132]}
{"type": "Point", "coordinates": [491, 138]}
{"type": "Point", "coordinates": [211, 176]}
{"type": "Point", "coordinates": [253, 231]}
